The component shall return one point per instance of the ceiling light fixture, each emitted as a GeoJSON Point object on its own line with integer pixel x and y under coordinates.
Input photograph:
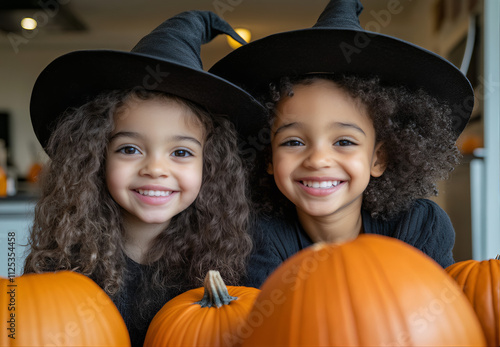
{"type": "Point", "coordinates": [51, 16]}
{"type": "Point", "coordinates": [28, 23]}
{"type": "Point", "coordinates": [244, 33]}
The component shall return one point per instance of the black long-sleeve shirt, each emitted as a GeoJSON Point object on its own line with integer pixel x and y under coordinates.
{"type": "Point", "coordinates": [425, 226]}
{"type": "Point", "coordinates": [138, 304]}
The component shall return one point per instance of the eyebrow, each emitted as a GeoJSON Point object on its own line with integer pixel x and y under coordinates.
{"type": "Point", "coordinates": [349, 125]}
{"type": "Point", "coordinates": [135, 135]}
{"type": "Point", "coordinates": [125, 134]}
{"type": "Point", "coordinates": [332, 125]}
{"type": "Point", "coordinates": [286, 126]}
{"type": "Point", "coordinates": [187, 138]}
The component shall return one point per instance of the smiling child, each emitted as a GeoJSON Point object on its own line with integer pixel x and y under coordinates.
{"type": "Point", "coordinates": [140, 144]}
{"type": "Point", "coordinates": [362, 126]}
{"type": "Point", "coordinates": [324, 152]}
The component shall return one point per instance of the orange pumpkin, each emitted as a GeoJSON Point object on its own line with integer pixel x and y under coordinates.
{"type": "Point", "coordinates": [372, 291]}
{"type": "Point", "coordinates": [58, 309]}
{"type": "Point", "coordinates": [480, 281]}
{"type": "Point", "coordinates": [34, 172]}
{"type": "Point", "coordinates": [209, 316]}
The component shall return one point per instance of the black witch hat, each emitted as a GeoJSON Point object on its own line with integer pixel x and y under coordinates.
{"type": "Point", "coordinates": [166, 60]}
{"type": "Point", "coordinates": [338, 44]}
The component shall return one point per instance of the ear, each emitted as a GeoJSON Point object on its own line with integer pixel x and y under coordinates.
{"type": "Point", "coordinates": [379, 161]}
{"type": "Point", "coordinates": [270, 169]}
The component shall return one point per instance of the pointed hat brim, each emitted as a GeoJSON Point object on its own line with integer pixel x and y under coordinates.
{"type": "Point", "coordinates": [348, 51]}
{"type": "Point", "coordinates": [166, 60]}
{"type": "Point", "coordinates": [77, 77]}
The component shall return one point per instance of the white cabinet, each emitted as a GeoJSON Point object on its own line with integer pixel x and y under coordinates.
{"type": "Point", "coordinates": [16, 219]}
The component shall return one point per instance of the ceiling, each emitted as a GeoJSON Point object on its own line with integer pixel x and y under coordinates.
{"type": "Point", "coordinates": [119, 24]}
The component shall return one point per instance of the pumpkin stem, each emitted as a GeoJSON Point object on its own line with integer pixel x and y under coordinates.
{"type": "Point", "coordinates": [216, 293]}
{"type": "Point", "coordinates": [497, 257]}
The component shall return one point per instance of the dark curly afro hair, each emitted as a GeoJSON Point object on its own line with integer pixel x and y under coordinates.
{"type": "Point", "coordinates": [417, 136]}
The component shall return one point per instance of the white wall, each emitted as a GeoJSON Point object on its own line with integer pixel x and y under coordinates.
{"type": "Point", "coordinates": [18, 73]}
{"type": "Point", "coordinates": [20, 64]}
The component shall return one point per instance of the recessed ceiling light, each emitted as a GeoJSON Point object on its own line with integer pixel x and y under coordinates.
{"type": "Point", "coordinates": [28, 23]}
{"type": "Point", "coordinates": [51, 16]}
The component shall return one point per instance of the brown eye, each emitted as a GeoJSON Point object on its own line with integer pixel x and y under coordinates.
{"type": "Point", "coordinates": [292, 143]}
{"type": "Point", "coordinates": [343, 143]}
{"type": "Point", "coordinates": [182, 153]}
{"type": "Point", "coordinates": [129, 150]}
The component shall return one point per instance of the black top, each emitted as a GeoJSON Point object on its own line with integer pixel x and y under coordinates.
{"type": "Point", "coordinates": [425, 226]}
{"type": "Point", "coordinates": [138, 303]}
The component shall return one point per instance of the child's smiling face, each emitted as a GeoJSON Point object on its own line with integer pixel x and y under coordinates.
{"type": "Point", "coordinates": [155, 160]}
{"type": "Point", "coordinates": [324, 150]}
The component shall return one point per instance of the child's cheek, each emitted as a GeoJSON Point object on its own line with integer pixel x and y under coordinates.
{"type": "Point", "coordinates": [282, 170]}
{"type": "Point", "coordinates": [360, 169]}
{"type": "Point", "coordinates": [190, 179]}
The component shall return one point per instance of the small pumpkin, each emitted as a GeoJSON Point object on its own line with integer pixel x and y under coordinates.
{"type": "Point", "coordinates": [480, 281]}
{"type": "Point", "coordinates": [34, 173]}
{"type": "Point", "coordinates": [372, 291]}
{"type": "Point", "coordinates": [208, 316]}
{"type": "Point", "coordinates": [58, 309]}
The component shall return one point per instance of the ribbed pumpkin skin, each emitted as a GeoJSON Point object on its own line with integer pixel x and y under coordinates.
{"type": "Point", "coordinates": [373, 291]}
{"type": "Point", "coordinates": [61, 309]}
{"type": "Point", "coordinates": [181, 322]}
{"type": "Point", "coordinates": [480, 281]}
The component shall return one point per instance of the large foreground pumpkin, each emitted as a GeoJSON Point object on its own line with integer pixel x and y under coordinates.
{"type": "Point", "coordinates": [373, 291]}
{"type": "Point", "coordinates": [210, 316]}
{"type": "Point", "coordinates": [58, 309]}
{"type": "Point", "coordinates": [480, 281]}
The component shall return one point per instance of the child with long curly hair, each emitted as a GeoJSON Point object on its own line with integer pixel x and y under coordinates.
{"type": "Point", "coordinates": [361, 128]}
{"type": "Point", "coordinates": [144, 191]}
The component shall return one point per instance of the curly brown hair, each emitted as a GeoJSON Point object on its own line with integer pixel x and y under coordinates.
{"type": "Point", "coordinates": [418, 143]}
{"type": "Point", "coordinates": [78, 226]}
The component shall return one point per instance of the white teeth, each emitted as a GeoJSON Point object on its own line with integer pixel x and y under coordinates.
{"type": "Point", "coordinates": [154, 192]}
{"type": "Point", "coordinates": [320, 184]}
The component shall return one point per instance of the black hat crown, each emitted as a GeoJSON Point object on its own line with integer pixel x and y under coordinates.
{"type": "Point", "coordinates": [340, 14]}
{"type": "Point", "coordinates": [179, 38]}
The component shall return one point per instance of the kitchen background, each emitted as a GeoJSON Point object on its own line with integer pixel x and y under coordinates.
{"type": "Point", "coordinates": [456, 29]}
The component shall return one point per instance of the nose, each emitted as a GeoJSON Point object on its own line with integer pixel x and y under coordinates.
{"type": "Point", "coordinates": [155, 166]}
{"type": "Point", "coordinates": [318, 157]}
